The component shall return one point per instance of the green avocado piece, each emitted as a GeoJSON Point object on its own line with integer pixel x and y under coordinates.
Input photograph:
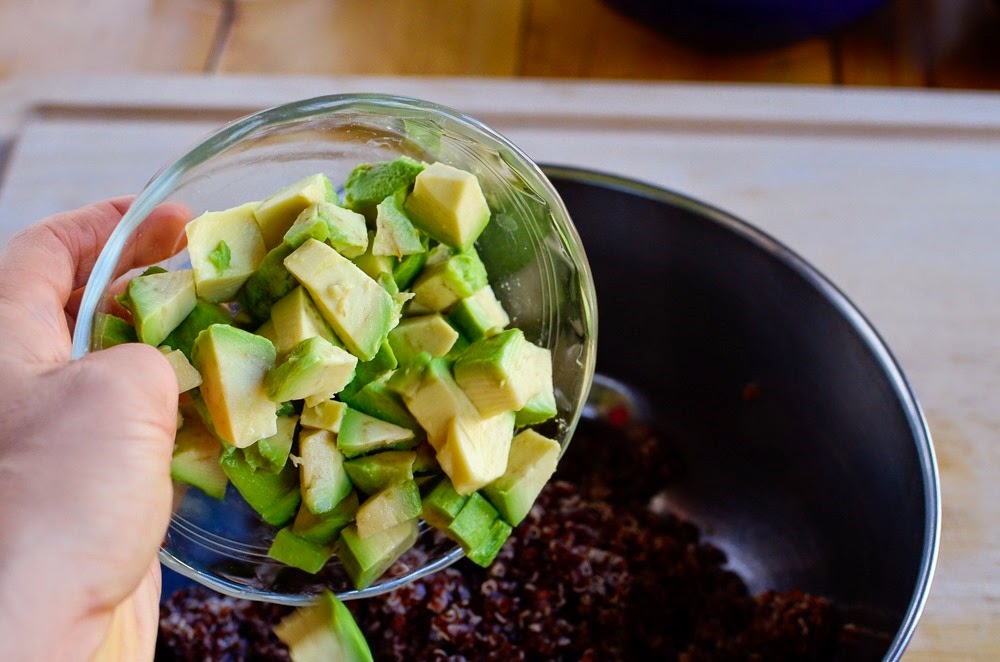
{"type": "Point", "coordinates": [323, 632]}
{"type": "Point", "coordinates": [440, 286]}
{"type": "Point", "coordinates": [538, 409]}
{"type": "Point", "coordinates": [382, 364]}
{"type": "Point", "coordinates": [276, 214]}
{"type": "Point", "coordinates": [370, 184]}
{"type": "Point", "coordinates": [471, 526]}
{"type": "Point", "coordinates": [425, 463]}
{"type": "Point", "coordinates": [324, 481]}
{"type": "Point", "coordinates": [375, 266]}
{"type": "Point", "coordinates": [504, 372]}
{"type": "Point", "coordinates": [422, 333]}
{"type": "Point", "coordinates": [271, 453]}
{"type": "Point", "coordinates": [110, 330]}
{"type": "Point", "coordinates": [275, 496]}
{"type": "Point", "coordinates": [298, 552]}
{"type": "Point", "coordinates": [397, 503]}
{"type": "Point", "coordinates": [378, 471]}
{"type": "Point", "coordinates": [442, 504]}
{"type": "Point", "coordinates": [367, 559]}
{"type": "Point", "coordinates": [314, 366]}
{"type": "Point", "coordinates": [359, 310]}
{"type": "Point", "coordinates": [310, 224]}
{"type": "Point", "coordinates": [324, 529]}
{"type": "Point", "coordinates": [296, 318]}
{"type": "Point", "coordinates": [159, 302]}
{"type": "Point", "coordinates": [195, 459]}
{"type": "Point", "coordinates": [361, 433]}
{"type": "Point", "coordinates": [377, 399]}
{"type": "Point", "coordinates": [480, 315]}
{"type": "Point", "coordinates": [407, 269]}
{"type": "Point", "coordinates": [347, 230]}
{"type": "Point", "coordinates": [488, 550]}
{"type": "Point", "coordinates": [394, 232]}
{"type": "Point", "coordinates": [531, 463]}
{"type": "Point", "coordinates": [203, 315]}
{"type": "Point", "coordinates": [269, 282]}
{"type": "Point", "coordinates": [449, 205]}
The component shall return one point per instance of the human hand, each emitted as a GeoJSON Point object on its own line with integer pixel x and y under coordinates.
{"type": "Point", "coordinates": [85, 446]}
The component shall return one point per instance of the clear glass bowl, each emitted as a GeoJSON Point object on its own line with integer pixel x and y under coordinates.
{"type": "Point", "coordinates": [532, 252]}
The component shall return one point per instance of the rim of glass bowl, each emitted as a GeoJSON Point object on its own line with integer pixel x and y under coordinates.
{"type": "Point", "coordinates": [166, 180]}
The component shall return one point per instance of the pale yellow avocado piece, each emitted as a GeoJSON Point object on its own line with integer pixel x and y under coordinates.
{"type": "Point", "coordinates": [425, 333]}
{"type": "Point", "coordinates": [532, 461]}
{"type": "Point", "coordinates": [321, 471]}
{"type": "Point", "coordinates": [325, 415]}
{"type": "Point", "coordinates": [436, 401]}
{"type": "Point", "coordinates": [266, 330]}
{"type": "Point", "coordinates": [318, 398]}
{"type": "Point", "coordinates": [476, 449]}
{"type": "Point", "coordinates": [187, 376]}
{"type": "Point", "coordinates": [296, 318]}
{"type": "Point", "coordinates": [360, 311]}
{"type": "Point", "coordinates": [278, 212]}
{"type": "Point", "coordinates": [504, 372]}
{"type": "Point", "coordinates": [449, 205]}
{"type": "Point", "coordinates": [219, 279]}
{"type": "Point", "coordinates": [233, 364]}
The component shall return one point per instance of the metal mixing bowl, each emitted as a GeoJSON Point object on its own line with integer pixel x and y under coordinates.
{"type": "Point", "coordinates": [804, 454]}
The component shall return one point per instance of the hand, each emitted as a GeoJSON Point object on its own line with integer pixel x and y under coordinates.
{"type": "Point", "coordinates": [85, 490]}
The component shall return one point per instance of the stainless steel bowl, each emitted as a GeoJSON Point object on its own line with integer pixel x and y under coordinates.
{"type": "Point", "coordinates": [804, 453]}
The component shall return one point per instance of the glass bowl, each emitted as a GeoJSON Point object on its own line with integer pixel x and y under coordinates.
{"type": "Point", "coordinates": [531, 250]}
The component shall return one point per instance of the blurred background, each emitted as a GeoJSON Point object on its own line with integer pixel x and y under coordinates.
{"type": "Point", "coordinates": [909, 43]}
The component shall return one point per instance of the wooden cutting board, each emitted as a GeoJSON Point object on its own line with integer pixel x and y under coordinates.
{"type": "Point", "coordinates": [893, 195]}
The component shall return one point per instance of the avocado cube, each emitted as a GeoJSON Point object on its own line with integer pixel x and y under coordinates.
{"type": "Point", "coordinates": [538, 409]}
{"type": "Point", "coordinates": [488, 550]}
{"type": "Point", "coordinates": [275, 496]}
{"type": "Point", "coordinates": [272, 452]}
{"type": "Point", "coordinates": [347, 231]}
{"type": "Point", "coordinates": [449, 205]}
{"type": "Point", "coordinates": [435, 400]}
{"type": "Point", "coordinates": [110, 330]}
{"type": "Point", "coordinates": [393, 505]}
{"type": "Point", "coordinates": [367, 559]}
{"type": "Point", "coordinates": [372, 473]}
{"type": "Point", "coordinates": [374, 266]}
{"type": "Point", "coordinates": [311, 223]}
{"type": "Point", "coordinates": [196, 454]}
{"type": "Point", "coordinates": [276, 214]}
{"type": "Point", "coordinates": [268, 283]}
{"type": "Point", "coordinates": [394, 233]}
{"type": "Point", "coordinates": [361, 433]}
{"type": "Point", "coordinates": [503, 372]}
{"type": "Point", "coordinates": [203, 315]}
{"type": "Point", "coordinates": [296, 318]}
{"type": "Point", "coordinates": [471, 526]}
{"type": "Point", "coordinates": [530, 465]}
{"type": "Point", "coordinates": [380, 365]}
{"type": "Point", "coordinates": [321, 468]}
{"type": "Point", "coordinates": [326, 415]}
{"type": "Point", "coordinates": [359, 310]}
{"type": "Point", "coordinates": [159, 302]}
{"type": "Point", "coordinates": [233, 364]}
{"type": "Point", "coordinates": [187, 377]}
{"type": "Point", "coordinates": [407, 269]}
{"type": "Point", "coordinates": [442, 504]}
{"type": "Point", "coordinates": [325, 631]}
{"type": "Point", "coordinates": [425, 333]}
{"type": "Point", "coordinates": [425, 463]}
{"type": "Point", "coordinates": [480, 315]}
{"type": "Point", "coordinates": [378, 400]}
{"type": "Point", "coordinates": [313, 367]}
{"type": "Point", "coordinates": [266, 330]}
{"type": "Point", "coordinates": [324, 529]}
{"type": "Point", "coordinates": [370, 184]}
{"type": "Point", "coordinates": [225, 247]}
{"type": "Point", "coordinates": [476, 449]}
{"type": "Point", "coordinates": [298, 552]}
{"type": "Point", "coordinates": [440, 286]}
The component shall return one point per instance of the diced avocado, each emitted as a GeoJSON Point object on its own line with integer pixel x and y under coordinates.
{"type": "Point", "coordinates": [393, 505]}
{"type": "Point", "coordinates": [187, 376]}
{"type": "Point", "coordinates": [110, 330]}
{"type": "Point", "coordinates": [272, 452]}
{"type": "Point", "coordinates": [276, 213]}
{"type": "Point", "coordinates": [196, 457]}
{"type": "Point", "coordinates": [311, 223]}
{"type": "Point", "coordinates": [480, 315]}
{"type": "Point", "coordinates": [359, 310]}
{"type": "Point", "coordinates": [475, 450]}
{"type": "Point", "coordinates": [471, 526]}
{"type": "Point", "coordinates": [442, 504]}
{"type": "Point", "coordinates": [503, 372]}
{"type": "Point", "coordinates": [436, 400]}
{"type": "Point", "coordinates": [406, 381]}
{"type": "Point", "coordinates": [347, 231]}
{"type": "Point", "coordinates": [407, 269]}
{"type": "Point", "coordinates": [314, 366]}
{"type": "Point", "coordinates": [537, 410]}
{"type": "Point", "coordinates": [531, 463]}
{"type": "Point", "coordinates": [325, 415]}
{"type": "Point", "coordinates": [370, 184]}
{"type": "Point", "coordinates": [323, 632]}
{"type": "Point", "coordinates": [159, 302]}
{"type": "Point", "coordinates": [268, 283]}
{"type": "Point", "coordinates": [378, 400]}
{"type": "Point", "coordinates": [380, 365]}
{"type": "Point", "coordinates": [361, 433]}
{"type": "Point", "coordinates": [296, 318]}
{"type": "Point", "coordinates": [233, 364]}
{"type": "Point", "coordinates": [225, 248]}
{"type": "Point", "coordinates": [324, 529]}
{"type": "Point", "coordinates": [266, 330]}
{"type": "Point", "coordinates": [488, 550]}
{"type": "Point", "coordinates": [365, 560]}
{"type": "Point", "coordinates": [441, 286]}
{"type": "Point", "coordinates": [203, 315]}
{"type": "Point", "coordinates": [374, 266]}
{"type": "Point", "coordinates": [324, 481]}
{"type": "Point", "coordinates": [275, 496]}
{"type": "Point", "coordinates": [394, 232]}
{"type": "Point", "coordinates": [448, 204]}
{"type": "Point", "coordinates": [298, 552]}
{"type": "Point", "coordinates": [426, 333]}
{"type": "Point", "coordinates": [425, 463]}
{"type": "Point", "coordinates": [378, 471]}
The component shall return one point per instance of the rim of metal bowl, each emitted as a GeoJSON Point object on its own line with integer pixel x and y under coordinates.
{"type": "Point", "coordinates": [875, 343]}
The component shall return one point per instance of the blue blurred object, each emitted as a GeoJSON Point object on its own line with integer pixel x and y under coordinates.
{"type": "Point", "coordinates": [740, 25]}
